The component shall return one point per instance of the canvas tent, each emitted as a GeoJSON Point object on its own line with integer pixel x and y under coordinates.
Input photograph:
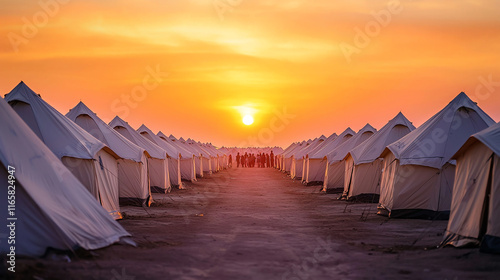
{"type": "Point", "coordinates": [288, 156]}
{"type": "Point", "coordinates": [174, 157]}
{"type": "Point", "coordinates": [299, 162]}
{"type": "Point", "coordinates": [316, 162]}
{"type": "Point", "coordinates": [53, 208]}
{"type": "Point", "coordinates": [205, 157]}
{"type": "Point", "coordinates": [133, 182]}
{"type": "Point", "coordinates": [474, 216]}
{"type": "Point", "coordinates": [218, 155]}
{"type": "Point", "coordinates": [198, 155]}
{"type": "Point", "coordinates": [157, 162]}
{"type": "Point", "coordinates": [363, 167]}
{"type": "Point", "coordinates": [187, 164]}
{"type": "Point", "coordinates": [92, 162]}
{"type": "Point", "coordinates": [335, 169]}
{"type": "Point", "coordinates": [312, 151]}
{"type": "Point", "coordinates": [418, 175]}
{"type": "Point", "coordinates": [202, 156]}
{"type": "Point", "coordinates": [296, 157]}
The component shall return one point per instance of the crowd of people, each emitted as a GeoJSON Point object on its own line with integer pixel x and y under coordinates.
{"type": "Point", "coordinates": [261, 160]}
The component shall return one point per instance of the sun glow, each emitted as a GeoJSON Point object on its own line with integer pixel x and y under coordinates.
{"type": "Point", "coordinates": [248, 120]}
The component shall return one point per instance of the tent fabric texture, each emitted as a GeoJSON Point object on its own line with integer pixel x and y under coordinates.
{"type": "Point", "coordinates": [336, 165]}
{"type": "Point", "coordinates": [418, 172]}
{"type": "Point", "coordinates": [474, 216]}
{"type": "Point", "coordinates": [133, 182]}
{"type": "Point", "coordinates": [90, 160]}
{"type": "Point", "coordinates": [157, 161]}
{"type": "Point", "coordinates": [53, 209]}
{"type": "Point", "coordinates": [363, 164]}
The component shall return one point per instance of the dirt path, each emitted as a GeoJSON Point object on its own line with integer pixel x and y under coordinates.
{"type": "Point", "coordinates": [259, 224]}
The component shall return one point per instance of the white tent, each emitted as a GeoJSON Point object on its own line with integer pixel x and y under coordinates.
{"type": "Point", "coordinates": [201, 158]}
{"type": "Point", "coordinates": [363, 163]}
{"type": "Point", "coordinates": [198, 155]}
{"type": "Point", "coordinates": [288, 156]}
{"type": "Point", "coordinates": [133, 181]}
{"type": "Point", "coordinates": [335, 169]}
{"type": "Point", "coordinates": [205, 157]}
{"type": "Point", "coordinates": [299, 162]}
{"type": "Point", "coordinates": [311, 151]}
{"type": "Point", "coordinates": [174, 157]}
{"type": "Point", "coordinates": [53, 209]}
{"type": "Point", "coordinates": [418, 176]}
{"type": "Point", "coordinates": [283, 155]}
{"type": "Point", "coordinates": [474, 215]}
{"type": "Point", "coordinates": [277, 151]}
{"type": "Point", "coordinates": [295, 158]}
{"type": "Point", "coordinates": [159, 179]}
{"type": "Point", "coordinates": [316, 163]}
{"type": "Point", "coordinates": [92, 162]}
{"type": "Point", "coordinates": [188, 164]}
{"type": "Point", "coordinates": [218, 155]}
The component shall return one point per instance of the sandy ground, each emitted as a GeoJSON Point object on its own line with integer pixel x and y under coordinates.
{"type": "Point", "coordinates": [260, 224]}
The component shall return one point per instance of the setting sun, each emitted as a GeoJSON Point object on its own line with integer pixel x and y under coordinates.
{"type": "Point", "coordinates": [248, 120]}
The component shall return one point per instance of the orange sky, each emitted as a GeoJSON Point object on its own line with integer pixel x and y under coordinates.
{"type": "Point", "coordinates": [266, 56]}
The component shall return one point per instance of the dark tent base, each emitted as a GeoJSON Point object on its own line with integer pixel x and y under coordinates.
{"type": "Point", "coordinates": [362, 198]}
{"type": "Point", "coordinates": [134, 201]}
{"type": "Point", "coordinates": [490, 244]}
{"type": "Point", "coordinates": [335, 190]}
{"type": "Point", "coordinates": [423, 214]}
{"type": "Point", "coordinates": [158, 190]}
{"type": "Point", "coordinates": [314, 183]}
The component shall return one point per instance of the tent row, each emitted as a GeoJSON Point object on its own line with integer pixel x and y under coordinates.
{"type": "Point", "coordinates": [408, 170]}
{"type": "Point", "coordinates": [444, 168]}
{"type": "Point", "coordinates": [113, 164]}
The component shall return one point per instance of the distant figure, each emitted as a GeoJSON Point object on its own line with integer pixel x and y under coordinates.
{"type": "Point", "coordinates": [245, 160]}
{"type": "Point", "coordinates": [230, 161]}
{"type": "Point", "coordinates": [263, 160]}
{"type": "Point", "coordinates": [238, 158]}
{"type": "Point", "coordinates": [268, 161]}
{"type": "Point", "coordinates": [272, 159]}
{"type": "Point", "coordinates": [259, 160]}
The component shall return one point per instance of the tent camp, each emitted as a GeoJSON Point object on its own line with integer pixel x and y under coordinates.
{"type": "Point", "coordinates": [53, 208]}
{"type": "Point", "coordinates": [335, 169]}
{"type": "Point", "coordinates": [198, 155]}
{"type": "Point", "coordinates": [90, 160]}
{"type": "Point", "coordinates": [418, 175]}
{"type": "Point", "coordinates": [157, 162]}
{"type": "Point", "coordinates": [283, 154]}
{"type": "Point", "coordinates": [222, 158]}
{"type": "Point", "coordinates": [288, 156]}
{"type": "Point", "coordinates": [133, 182]}
{"type": "Point", "coordinates": [316, 162]}
{"type": "Point", "coordinates": [474, 215]}
{"type": "Point", "coordinates": [187, 164]}
{"type": "Point", "coordinates": [216, 157]}
{"type": "Point", "coordinates": [312, 151]}
{"type": "Point", "coordinates": [363, 166]}
{"type": "Point", "coordinates": [205, 157]}
{"type": "Point", "coordinates": [297, 158]}
{"type": "Point", "coordinates": [299, 162]}
{"type": "Point", "coordinates": [174, 157]}
{"type": "Point", "coordinates": [202, 157]}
